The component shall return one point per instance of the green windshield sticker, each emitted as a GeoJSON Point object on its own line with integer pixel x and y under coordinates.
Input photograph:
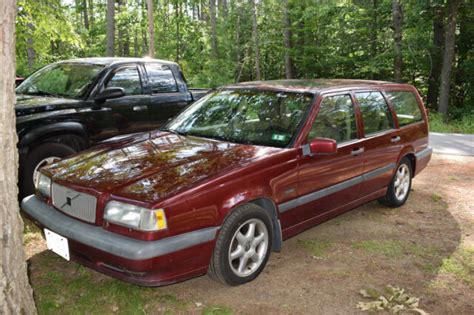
{"type": "Point", "coordinates": [278, 137]}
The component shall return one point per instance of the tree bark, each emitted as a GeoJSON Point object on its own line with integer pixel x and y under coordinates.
{"type": "Point", "coordinates": [91, 12]}
{"type": "Point", "coordinates": [110, 28]}
{"type": "Point", "coordinates": [397, 16]}
{"type": "Point", "coordinates": [178, 31]}
{"type": "Point", "coordinates": [30, 47]}
{"type": "Point", "coordinates": [85, 14]}
{"type": "Point", "coordinates": [287, 40]}
{"type": "Point", "coordinates": [151, 29]}
{"type": "Point", "coordinates": [256, 41]}
{"type": "Point", "coordinates": [212, 12]}
{"type": "Point", "coordinates": [448, 56]}
{"type": "Point", "coordinates": [436, 58]}
{"type": "Point", "coordinates": [15, 292]}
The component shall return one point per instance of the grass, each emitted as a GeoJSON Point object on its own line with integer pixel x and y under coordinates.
{"type": "Point", "coordinates": [461, 265]}
{"type": "Point", "coordinates": [217, 310]}
{"type": "Point", "coordinates": [393, 248]}
{"type": "Point", "coordinates": [464, 125]}
{"type": "Point", "coordinates": [69, 288]}
{"type": "Point", "coordinates": [317, 248]}
{"type": "Point", "coordinates": [435, 197]}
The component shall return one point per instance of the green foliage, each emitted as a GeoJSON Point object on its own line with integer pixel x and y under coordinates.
{"type": "Point", "coordinates": [329, 39]}
{"type": "Point", "coordinates": [462, 125]}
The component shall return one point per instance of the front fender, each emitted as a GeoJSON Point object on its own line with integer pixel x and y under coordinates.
{"type": "Point", "coordinates": [39, 132]}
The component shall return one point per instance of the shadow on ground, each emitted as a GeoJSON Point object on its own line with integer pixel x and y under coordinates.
{"type": "Point", "coordinates": [318, 272]}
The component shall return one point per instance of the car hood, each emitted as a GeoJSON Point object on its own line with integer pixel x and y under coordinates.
{"type": "Point", "coordinates": [152, 166]}
{"type": "Point", "coordinates": [29, 104]}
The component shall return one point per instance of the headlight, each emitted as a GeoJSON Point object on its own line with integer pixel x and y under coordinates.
{"type": "Point", "coordinates": [135, 217]}
{"type": "Point", "coordinates": [43, 185]}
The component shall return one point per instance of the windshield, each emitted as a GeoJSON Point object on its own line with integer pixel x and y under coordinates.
{"type": "Point", "coordinates": [71, 80]}
{"type": "Point", "coordinates": [245, 116]}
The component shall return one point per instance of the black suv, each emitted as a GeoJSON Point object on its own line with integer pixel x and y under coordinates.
{"type": "Point", "coordinates": [70, 105]}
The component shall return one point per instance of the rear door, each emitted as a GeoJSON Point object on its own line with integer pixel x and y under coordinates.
{"type": "Point", "coordinates": [328, 182]}
{"type": "Point", "coordinates": [381, 142]}
{"type": "Point", "coordinates": [168, 97]}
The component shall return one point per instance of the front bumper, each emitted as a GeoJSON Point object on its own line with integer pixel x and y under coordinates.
{"type": "Point", "coordinates": [143, 262]}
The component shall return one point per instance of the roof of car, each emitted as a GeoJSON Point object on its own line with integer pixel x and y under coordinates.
{"type": "Point", "coordinates": [106, 61]}
{"type": "Point", "coordinates": [310, 85]}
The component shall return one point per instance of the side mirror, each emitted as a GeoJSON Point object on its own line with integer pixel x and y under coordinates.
{"type": "Point", "coordinates": [109, 93]}
{"type": "Point", "coordinates": [322, 146]}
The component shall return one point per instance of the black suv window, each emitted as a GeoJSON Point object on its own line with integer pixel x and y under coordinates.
{"type": "Point", "coordinates": [127, 78]}
{"type": "Point", "coordinates": [161, 78]}
{"type": "Point", "coordinates": [405, 106]}
{"type": "Point", "coordinates": [375, 112]}
{"type": "Point", "coordinates": [336, 120]}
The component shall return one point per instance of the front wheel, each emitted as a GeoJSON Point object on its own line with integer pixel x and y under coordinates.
{"type": "Point", "coordinates": [243, 246]}
{"type": "Point", "coordinates": [40, 156]}
{"type": "Point", "coordinates": [399, 188]}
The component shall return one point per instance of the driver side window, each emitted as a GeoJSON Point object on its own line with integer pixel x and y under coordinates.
{"type": "Point", "coordinates": [127, 78]}
{"type": "Point", "coordinates": [335, 120]}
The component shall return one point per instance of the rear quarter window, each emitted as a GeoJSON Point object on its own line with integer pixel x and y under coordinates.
{"type": "Point", "coordinates": [406, 107]}
{"type": "Point", "coordinates": [161, 78]}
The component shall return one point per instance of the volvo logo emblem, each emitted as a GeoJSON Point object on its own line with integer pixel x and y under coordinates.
{"type": "Point", "coordinates": [69, 199]}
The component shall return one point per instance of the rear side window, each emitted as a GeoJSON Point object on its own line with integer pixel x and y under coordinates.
{"type": "Point", "coordinates": [161, 78]}
{"type": "Point", "coordinates": [375, 112]}
{"type": "Point", "coordinates": [336, 120]}
{"type": "Point", "coordinates": [406, 107]}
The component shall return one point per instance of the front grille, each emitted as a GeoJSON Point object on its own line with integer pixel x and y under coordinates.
{"type": "Point", "coordinates": [74, 203]}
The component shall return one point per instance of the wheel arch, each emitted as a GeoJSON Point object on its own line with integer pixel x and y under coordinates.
{"type": "Point", "coordinates": [269, 206]}
{"type": "Point", "coordinates": [54, 130]}
{"type": "Point", "coordinates": [408, 152]}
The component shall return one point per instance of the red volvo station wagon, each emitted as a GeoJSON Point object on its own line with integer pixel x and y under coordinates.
{"type": "Point", "coordinates": [231, 177]}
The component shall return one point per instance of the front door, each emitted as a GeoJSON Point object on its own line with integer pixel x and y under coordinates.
{"type": "Point", "coordinates": [328, 182]}
{"type": "Point", "coordinates": [130, 112]}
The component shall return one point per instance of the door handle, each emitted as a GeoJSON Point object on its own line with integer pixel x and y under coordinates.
{"type": "Point", "coordinates": [140, 108]}
{"type": "Point", "coordinates": [357, 151]}
{"type": "Point", "coordinates": [395, 139]}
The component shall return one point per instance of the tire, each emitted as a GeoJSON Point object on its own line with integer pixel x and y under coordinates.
{"type": "Point", "coordinates": [39, 155]}
{"type": "Point", "coordinates": [254, 251]}
{"type": "Point", "coordinates": [400, 185]}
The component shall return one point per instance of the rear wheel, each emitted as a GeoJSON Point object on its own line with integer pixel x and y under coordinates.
{"type": "Point", "coordinates": [40, 156]}
{"type": "Point", "coordinates": [243, 246]}
{"type": "Point", "coordinates": [399, 188]}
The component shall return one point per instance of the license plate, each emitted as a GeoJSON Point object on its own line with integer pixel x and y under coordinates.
{"type": "Point", "coordinates": [57, 243]}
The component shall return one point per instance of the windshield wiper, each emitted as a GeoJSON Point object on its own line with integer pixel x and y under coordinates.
{"type": "Point", "coordinates": [43, 93]}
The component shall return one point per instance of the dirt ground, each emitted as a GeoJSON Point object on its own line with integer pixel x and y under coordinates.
{"type": "Point", "coordinates": [425, 247]}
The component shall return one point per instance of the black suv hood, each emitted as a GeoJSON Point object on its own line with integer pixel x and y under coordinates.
{"type": "Point", "coordinates": [30, 104]}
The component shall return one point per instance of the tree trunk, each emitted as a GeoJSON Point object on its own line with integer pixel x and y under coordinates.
{"type": "Point", "coordinates": [91, 12]}
{"type": "Point", "coordinates": [256, 41]}
{"type": "Point", "coordinates": [397, 16]}
{"type": "Point", "coordinates": [178, 31]}
{"type": "Point", "coordinates": [15, 292]}
{"type": "Point", "coordinates": [151, 29]}
{"type": "Point", "coordinates": [287, 41]}
{"type": "Point", "coordinates": [212, 12]}
{"type": "Point", "coordinates": [436, 58]}
{"type": "Point", "coordinates": [448, 56]}
{"type": "Point", "coordinates": [223, 7]}
{"type": "Point", "coordinates": [30, 47]}
{"type": "Point", "coordinates": [110, 27]}
{"type": "Point", "coordinates": [85, 14]}
{"type": "Point", "coordinates": [237, 40]}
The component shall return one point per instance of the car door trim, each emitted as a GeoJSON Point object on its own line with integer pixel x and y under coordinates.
{"type": "Point", "coordinates": [299, 201]}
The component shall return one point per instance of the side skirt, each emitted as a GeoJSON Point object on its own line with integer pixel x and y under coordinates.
{"type": "Point", "coordinates": [300, 227]}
